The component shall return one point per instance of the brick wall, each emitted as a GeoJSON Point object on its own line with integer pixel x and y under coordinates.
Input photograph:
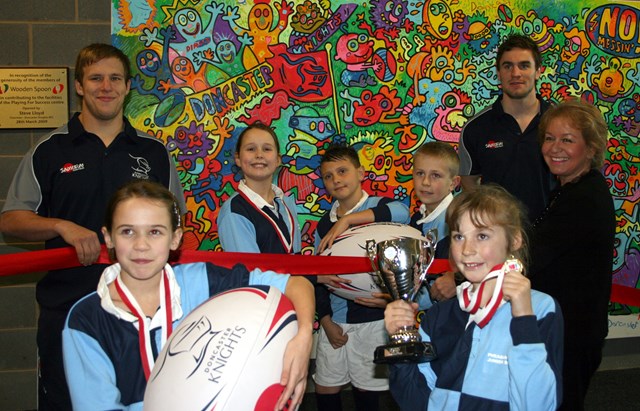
{"type": "Point", "coordinates": [34, 33]}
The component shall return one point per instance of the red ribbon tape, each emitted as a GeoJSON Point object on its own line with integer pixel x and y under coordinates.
{"type": "Point", "coordinates": [295, 264]}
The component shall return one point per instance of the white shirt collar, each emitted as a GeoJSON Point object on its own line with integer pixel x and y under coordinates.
{"type": "Point", "coordinates": [257, 198]}
{"type": "Point", "coordinates": [333, 215]}
{"type": "Point", "coordinates": [441, 208]}
{"type": "Point", "coordinates": [110, 274]}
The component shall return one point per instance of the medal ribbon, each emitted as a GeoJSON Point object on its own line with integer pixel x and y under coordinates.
{"type": "Point", "coordinates": [470, 300]}
{"type": "Point", "coordinates": [144, 335]}
{"type": "Point", "coordinates": [288, 245]}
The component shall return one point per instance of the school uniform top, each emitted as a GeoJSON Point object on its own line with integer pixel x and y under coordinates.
{"type": "Point", "coordinates": [493, 146]}
{"type": "Point", "coordinates": [100, 341]}
{"type": "Point", "coordinates": [247, 223]}
{"type": "Point", "coordinates": [340, 309]}
{"type": "Point", "coordinates": [71, 175]}
{"type": "Point", "coordinates": [511, 363]}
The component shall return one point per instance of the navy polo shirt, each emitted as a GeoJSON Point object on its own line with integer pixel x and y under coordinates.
{"type": "Point", "coordinates": [494, 147]}
{"type": "Point", "coordinates": [77, 174]}
{"type": "Point", "coordinates": [71, 175]}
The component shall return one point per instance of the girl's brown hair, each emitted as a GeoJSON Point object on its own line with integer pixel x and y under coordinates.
{"type": "Point", "coordinates": [148, 190]}
{"type": "Point", "coordinates": [491, 204]}
{"type": "Point", "coordinates": [257, 126]}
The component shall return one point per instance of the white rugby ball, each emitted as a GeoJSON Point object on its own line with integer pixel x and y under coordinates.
{"type": "Point", "coordinates": [353, 242]}
{"type": "Point", "coordinates": [227, 354]}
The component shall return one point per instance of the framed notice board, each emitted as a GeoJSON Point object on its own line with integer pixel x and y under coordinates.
{"type": "Point", "coordinates": [33, 97]}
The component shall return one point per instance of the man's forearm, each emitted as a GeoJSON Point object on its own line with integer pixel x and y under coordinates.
{"type": "Point", "coordinates": [28, 225]}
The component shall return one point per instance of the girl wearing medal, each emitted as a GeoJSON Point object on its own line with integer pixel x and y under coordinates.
{"type": "Point", "coordinates": [112, 336]}
{"type": "Point", "coordinates": [259, 218]}
{"type": "Point", "coordinates": [499, 344]}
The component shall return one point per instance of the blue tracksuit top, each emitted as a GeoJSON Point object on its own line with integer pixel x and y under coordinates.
{"type": "Point", "coordinates": [101, 353]}
{"type": "Point", "coordinates": [510, 364]}
{"type": "Point", "coordinates": [346, 311]}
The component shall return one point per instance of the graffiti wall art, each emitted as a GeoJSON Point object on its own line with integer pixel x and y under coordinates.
{"type": "Point", "coordinates": [384, 76]}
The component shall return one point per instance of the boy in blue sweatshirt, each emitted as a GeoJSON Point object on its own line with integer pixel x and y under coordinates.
{"type": "Point", "coordinates": [435, 175]}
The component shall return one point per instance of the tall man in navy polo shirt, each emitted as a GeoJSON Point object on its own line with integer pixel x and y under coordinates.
{"type": "Point", "coordinates": [500, 144]}
{"type": "Point", "coordinates": [60, 191]}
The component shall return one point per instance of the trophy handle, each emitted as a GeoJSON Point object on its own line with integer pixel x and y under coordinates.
{"type": "Point", "coordinates": [432, 236]}
{"type": "Point", "coordinates": [370, 245]}
{"type": "Point", "coordinates": [428, 250]}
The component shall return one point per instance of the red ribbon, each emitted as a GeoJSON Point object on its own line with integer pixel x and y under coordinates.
{"type": "Point", "coordinates": [295, 264]}
{"type": "Point", "coordinates": [144, 335]}
{"type": "Point", "coordinates": [625, 295]}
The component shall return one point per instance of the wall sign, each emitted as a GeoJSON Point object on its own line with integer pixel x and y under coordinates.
{"type": "Point", "coordinates": [33, 97]}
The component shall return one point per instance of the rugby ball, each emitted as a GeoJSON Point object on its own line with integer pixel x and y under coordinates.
{"type": "Point", "coordinates": [352, 243]}
{"type": "Point", "coordinates": [226, 354]}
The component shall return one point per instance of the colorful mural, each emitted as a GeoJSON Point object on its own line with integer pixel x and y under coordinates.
{"type": "Point", "coordinates": [383, 75]}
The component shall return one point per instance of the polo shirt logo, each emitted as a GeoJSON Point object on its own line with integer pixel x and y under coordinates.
{"type": "Point", "coordinates": [494, 144]}
{"type": "Point", "coordinates": [71, 168]}
{"type": "Point", "coordinates": [497, 359]}
{"type": "Point", "coordinates": [141, 169]}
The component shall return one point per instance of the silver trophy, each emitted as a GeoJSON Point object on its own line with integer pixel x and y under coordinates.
{"type": "Point", "coordinates": [402, 265]}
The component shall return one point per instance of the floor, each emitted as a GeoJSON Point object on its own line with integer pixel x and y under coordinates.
{"type": "Point", "coordinates": [611, 390]}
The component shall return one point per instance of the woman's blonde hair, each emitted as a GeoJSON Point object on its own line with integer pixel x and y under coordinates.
{"type": "Point", "coordinates": [584, 117]}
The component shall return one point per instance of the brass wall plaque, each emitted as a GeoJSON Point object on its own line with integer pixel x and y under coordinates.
{"type": "Point", "coordinates": [33, 97]}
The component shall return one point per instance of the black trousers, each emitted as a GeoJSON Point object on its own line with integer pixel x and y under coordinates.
{"type": "Point", "coordinates": [53, 393]}
{"type": "Point", "coordinates": [581, 361]}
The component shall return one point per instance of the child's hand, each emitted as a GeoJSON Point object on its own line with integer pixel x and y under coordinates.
{"type": "Point", "coordinates": [444, 287]}
{"type": "Point", "coordinates": [332, 280]}
{"type": "Point", "coordinates": [338, 228]}
{"type": "Point", "coordinates": [294, 371]}
{"type": "Point", "coordinates": [516, 289]}
{"type": "Point", "coordinates": [335, 334]}
{"type": "Point", "coordinates": [399, 314]}
{"type": "Point", "coordinates": [377, 300]}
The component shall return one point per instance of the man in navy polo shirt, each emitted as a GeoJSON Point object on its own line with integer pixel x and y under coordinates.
{"type": "Point", "coordinates": [60, 191]}
{"type": "Point", "coordinates": [500, 145]}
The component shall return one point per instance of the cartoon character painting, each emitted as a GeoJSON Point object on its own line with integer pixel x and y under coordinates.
{"type": "Point", "coordinates": [383, 76]}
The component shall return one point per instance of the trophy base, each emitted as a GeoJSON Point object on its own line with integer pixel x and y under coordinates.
{"type": "Point", "coordinates": [411, 352]}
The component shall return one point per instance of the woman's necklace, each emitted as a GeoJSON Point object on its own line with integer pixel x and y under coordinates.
{"type": "Point", "coordinates": [548, 208]}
